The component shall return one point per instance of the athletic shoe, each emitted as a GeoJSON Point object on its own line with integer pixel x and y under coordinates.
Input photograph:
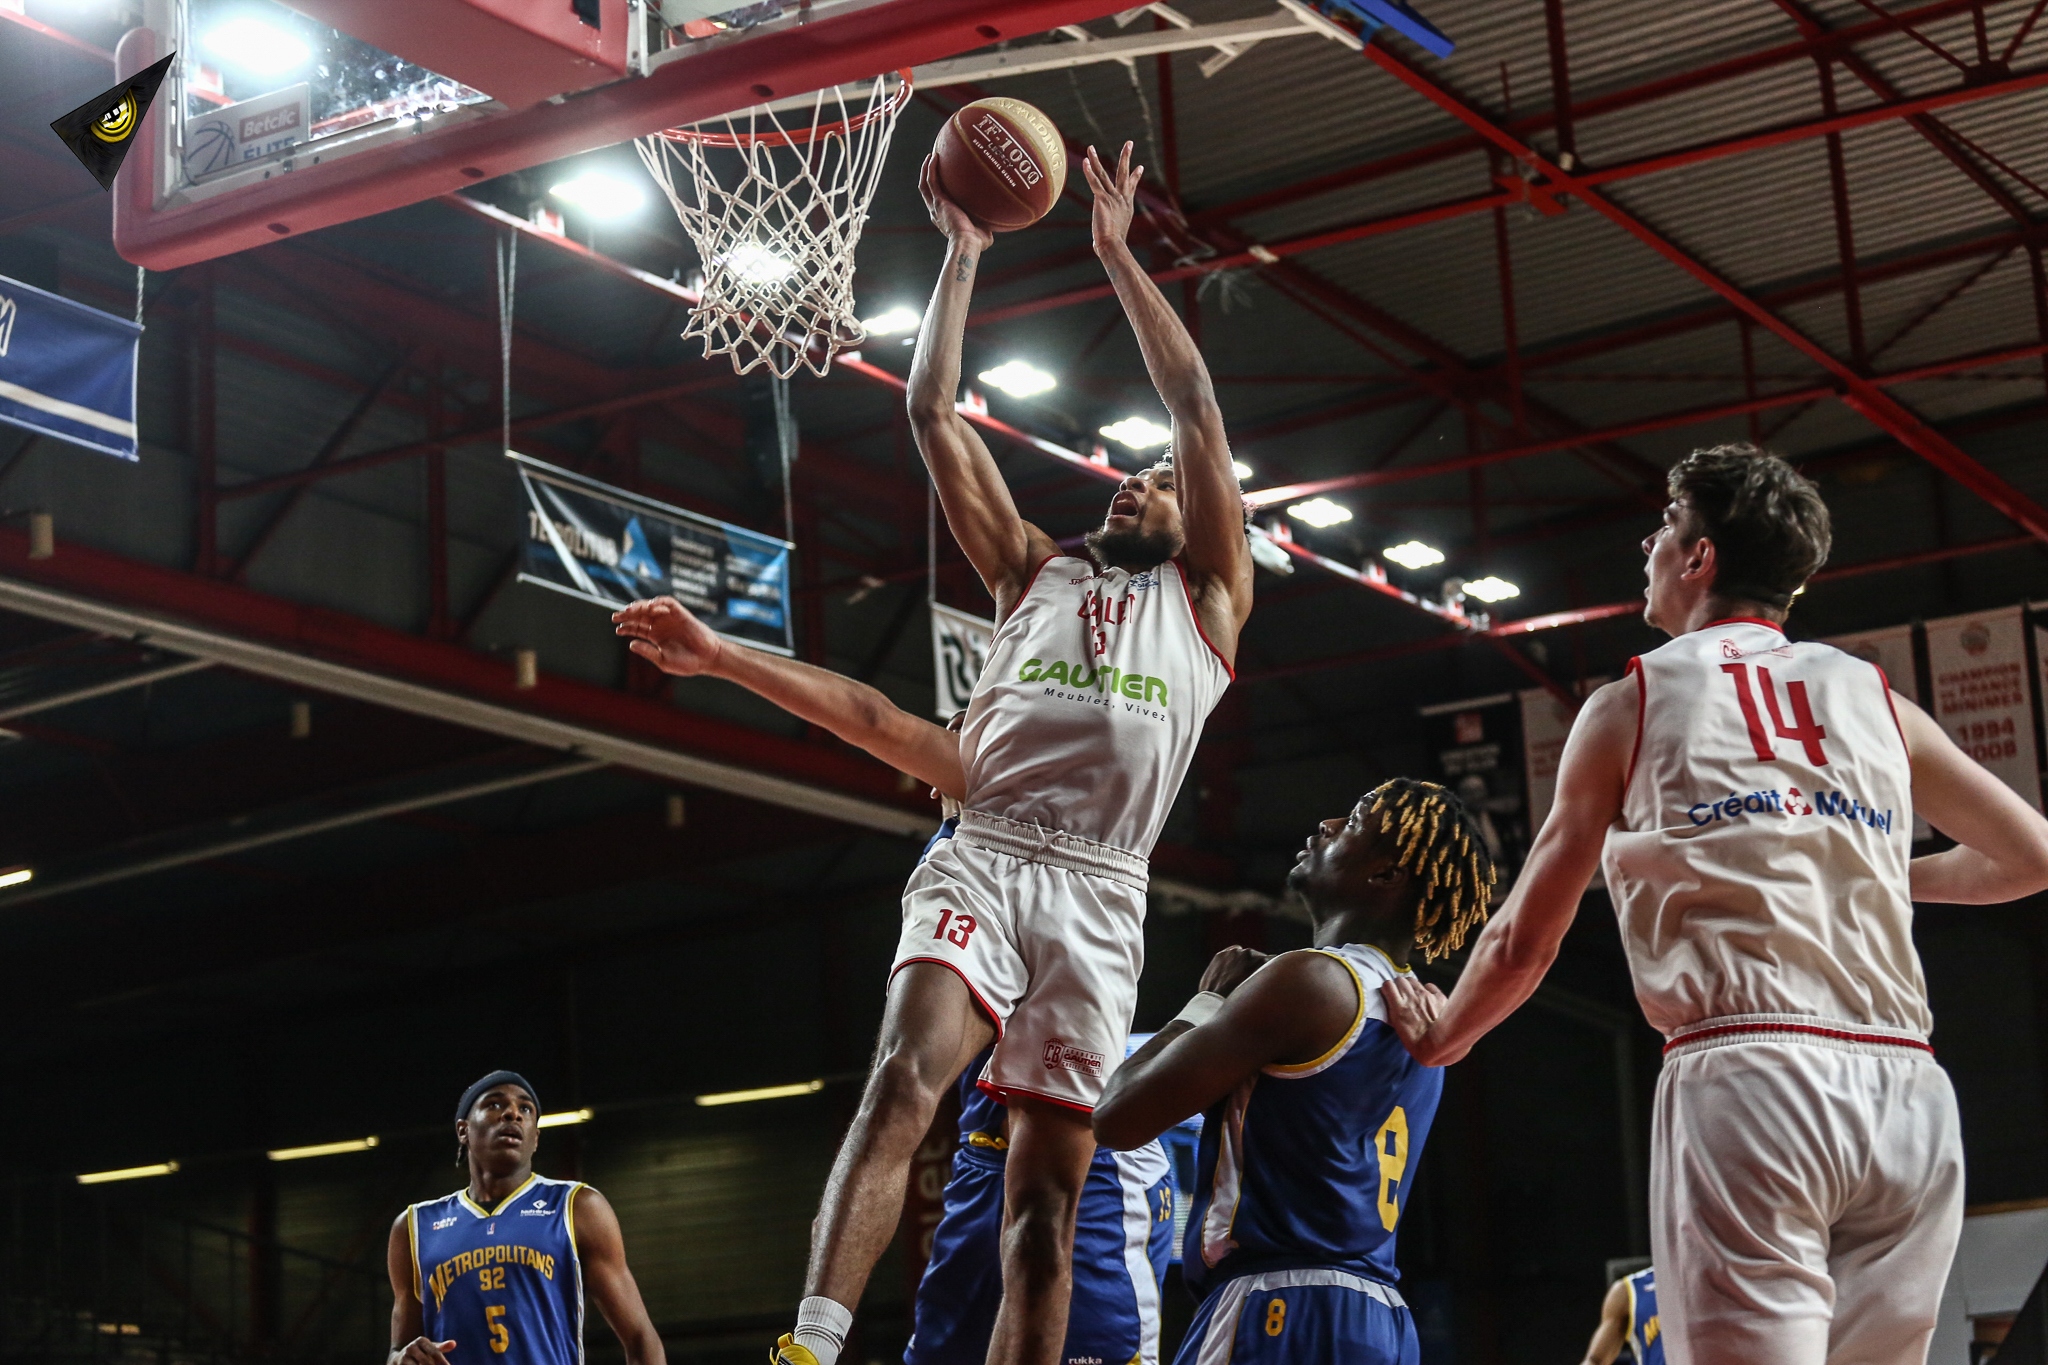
{"type": "Point", "coordinates": [787, 1352]}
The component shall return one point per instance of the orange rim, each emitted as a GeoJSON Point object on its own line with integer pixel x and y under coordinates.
{"type": "Point", "coordinates": [800, 136]}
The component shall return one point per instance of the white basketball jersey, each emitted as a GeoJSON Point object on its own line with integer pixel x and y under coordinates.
{"type": "Point", "coordinates": [1759, 865]}
{"type": "Point", "coordinates": [1090, 705]}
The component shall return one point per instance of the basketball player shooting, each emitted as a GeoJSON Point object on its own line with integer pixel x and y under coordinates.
{"type": "Point", "coordinates": [1026, 928]}
{"type": "Point", "coordinates": [1754, 798]}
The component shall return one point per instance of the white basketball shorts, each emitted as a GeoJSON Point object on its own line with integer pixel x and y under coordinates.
{"type": "Point", "coordinates": [1806, 1194]}
{"type": "Point", "coordinates": [1048, 931]}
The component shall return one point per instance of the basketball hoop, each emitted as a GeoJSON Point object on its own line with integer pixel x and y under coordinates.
{"type": "Point", "coordinates": [775, 211]}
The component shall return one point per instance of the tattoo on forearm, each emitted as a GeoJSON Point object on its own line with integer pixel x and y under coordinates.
{"type": "Point", "coordinates": [964, 269]}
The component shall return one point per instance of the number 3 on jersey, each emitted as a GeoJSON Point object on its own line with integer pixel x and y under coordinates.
{"type": "Point", "coordinates": [1803, 728]}
{"type": "Point", "coordinates": [963, 925]}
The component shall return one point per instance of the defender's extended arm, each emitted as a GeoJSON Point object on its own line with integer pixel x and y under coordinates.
{"type": "Point", "coordinates": [1001, 545]}
{"type": "Point", "coordinates": [1286, 1010]}
{"type": "Point", "coordinates": [663, 632]}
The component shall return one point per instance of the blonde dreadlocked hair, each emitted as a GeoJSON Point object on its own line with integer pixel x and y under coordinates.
{"type": "Point", "coordinates": [1441, 844]}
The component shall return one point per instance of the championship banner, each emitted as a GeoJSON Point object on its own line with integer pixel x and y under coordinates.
{"type": "Point", "coordinates": [1890, 649]}
{"type": "Point", "coordinates": [605, 545]}
{"type": "Point", "coordinates": [67, 370]}
{"type": "Point", "coordinates": [1476, 748]}
{"type": "Point", "coordinates": [959, 649]}
{"type": "Point", "coordinates": [1978, 664]}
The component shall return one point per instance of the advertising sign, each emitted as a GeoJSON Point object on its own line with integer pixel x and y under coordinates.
{"type": "Point", "coordinates": [611, 547]}
{"type": "Point", "coordinates": [959, 649]}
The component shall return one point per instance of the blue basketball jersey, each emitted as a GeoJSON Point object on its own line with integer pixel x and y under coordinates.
{"type": "Point", "coordinates": [1122, 1237]}
{"type": "Point", "coordinates": [1644, 1337]}
{"type": "Point", "coordinates": [504, 1284]}
{"type": "Point", "coordinates": [1309, 1165]}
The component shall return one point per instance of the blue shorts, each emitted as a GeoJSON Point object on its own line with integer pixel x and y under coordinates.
{"type": "Point", "coordinates": [1301, 1317]}
{"type": "Point", "coordinates": [1122, 1237]}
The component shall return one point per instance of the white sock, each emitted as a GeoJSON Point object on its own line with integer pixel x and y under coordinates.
{"type": "Point", "coordinates": [821, 1327]}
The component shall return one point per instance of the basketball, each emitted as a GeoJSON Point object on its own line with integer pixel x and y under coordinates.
{"type": "Point", "coordinates": [1003, 162]}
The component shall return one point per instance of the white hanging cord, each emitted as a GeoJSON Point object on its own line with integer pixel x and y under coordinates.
{"type": "Point", "coordinates": [508, 275]}
{"type": "Point", "coordinates": [140, 275]}
{"type": "Point", "coordinates": [785, 448]}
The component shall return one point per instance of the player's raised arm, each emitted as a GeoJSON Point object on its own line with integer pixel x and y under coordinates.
{"type": "Point", "coordinates": [1211, 507]}
{"type": "Point", "coordinates": [1520, 942]}
{"type": "Point", "coordinates": [663, 632]}
{"type": "Point", "coordinates": [601, 1247]}
{"type": "Point", "coordinates": [1296, 1007]}
{"type": "Point", "coordinates": [2001, 848]}
{"type": "Point", "coordinates": [1001, 545]}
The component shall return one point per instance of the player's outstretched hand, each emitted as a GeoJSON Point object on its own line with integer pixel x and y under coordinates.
{"type": "Point", "coordinates": [1412, 1009]}
{"type": "Point", "coordinates": [1231, 968]}
{"type": "Point", "coordinates": [421, 1351]}
{"type": "Point", "coordinates": [947, 216]}
{"type": "Point", "coordinates": [1115, 196]}
{"type": "Point", "coordinates": [662, 631]}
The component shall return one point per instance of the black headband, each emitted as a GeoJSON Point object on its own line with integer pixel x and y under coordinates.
{"type": "Point", "coordinates": [476, 1090]}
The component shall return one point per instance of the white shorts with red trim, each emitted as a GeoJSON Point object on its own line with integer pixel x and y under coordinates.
{"type": "Point", "coordinates": [1806, 1193]}
{"type": "Point", "coordinates": [1051, 951]}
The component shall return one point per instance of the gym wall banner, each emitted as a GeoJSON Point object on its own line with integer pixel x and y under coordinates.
{"type": "Point", "coordinates": [67, 370]}
{"type": "Point", "coordinates": [1891, 649]}
{"type": "Point", "coordinates": [606, 545]}
{"type": "Point", "coordinates": [959, 649]}
{"type": "Point", "coordinates": [1546, 722]}
{"type": "Point", "coordinates": [1477, 749]}
{"type": "Point", "coordinates": [1978, 665]}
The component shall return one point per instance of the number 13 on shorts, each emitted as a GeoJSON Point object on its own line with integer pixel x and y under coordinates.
{"type": "Point", "coordinates": [961, 926]}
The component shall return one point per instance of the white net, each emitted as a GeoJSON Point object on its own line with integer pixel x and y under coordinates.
{"type": "Point", "coordinates": [775, 208]}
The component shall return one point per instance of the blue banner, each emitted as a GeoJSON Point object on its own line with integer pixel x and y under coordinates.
{"type": "Point", "coordinates": [67, 370]}
{"type": "Point", "coordinates": [611, 547]}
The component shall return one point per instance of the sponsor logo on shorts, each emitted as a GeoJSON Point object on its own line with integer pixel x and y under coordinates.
{"type": "Point", "coordinates": [1064, 1055]}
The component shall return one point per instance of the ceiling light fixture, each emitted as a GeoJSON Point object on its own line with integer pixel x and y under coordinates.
{"type": "Point", "coordinates": [1018, 379]}
{"type": "Point", "coordinates": [257, 47]}
{"type": "Point", "coordinates": [892, 321]}
{"type": "Point", "coordinates": [322, 1149]}
{"type": "Point", "coordinates": [1413, 554]}
{"type": "Point", "coordinates": [1241, 469]}
{"type": "Point", "coordinates": [564, 1118]}
{"type": "Point", "coordinates": [15, 876]}
{"type": "Point", "coordinates": [1491, 589]}
{"type": "Point", "coordinates": [600, 194]}
{"type": "Point", "coordinates": [766, 1092]}
{"type": "Point", "coordinates": [1139, 433]}
{"type": "Point", "coordinates": [1319, 512]}
{"type": "Point", "coordinates": [128, 1173]}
